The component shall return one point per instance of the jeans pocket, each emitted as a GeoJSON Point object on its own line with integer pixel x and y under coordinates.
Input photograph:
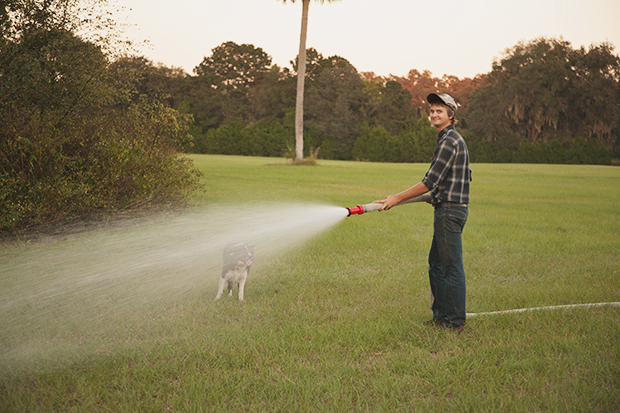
{"type": "Point", "coordinates": [455, 220]}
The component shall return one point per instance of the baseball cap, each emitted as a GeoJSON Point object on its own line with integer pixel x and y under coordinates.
{"type": "Point", "coordinates": [442, 98]}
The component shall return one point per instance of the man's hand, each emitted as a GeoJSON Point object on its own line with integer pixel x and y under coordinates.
{"type": "Point", "coordinates": [393, 200]}
{"type": "Point", "coordinates": [388, 202]}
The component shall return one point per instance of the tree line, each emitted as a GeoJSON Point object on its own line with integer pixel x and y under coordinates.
{"type": "Point", "coordinates": [543, 102]}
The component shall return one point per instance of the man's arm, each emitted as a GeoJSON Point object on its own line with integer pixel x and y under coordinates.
{"type": "Point", "coordinates": [392, 200]}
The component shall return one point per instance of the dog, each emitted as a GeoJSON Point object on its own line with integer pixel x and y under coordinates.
{"type": "Point", "coordinates": [238, 258]}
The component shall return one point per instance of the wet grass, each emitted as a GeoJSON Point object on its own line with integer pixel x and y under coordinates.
{"type": "Point", "coordinates": [336, 324]}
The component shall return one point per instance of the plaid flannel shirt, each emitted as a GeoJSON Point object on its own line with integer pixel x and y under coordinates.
{"type": "Point", "coordinates": [449, 175]}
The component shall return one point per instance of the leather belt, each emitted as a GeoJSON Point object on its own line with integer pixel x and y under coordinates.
{"type": "Point", "coordinates": [449, 204]}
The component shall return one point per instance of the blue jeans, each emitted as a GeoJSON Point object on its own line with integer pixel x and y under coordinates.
{"type": "Point", "coordinates": [445, 271]}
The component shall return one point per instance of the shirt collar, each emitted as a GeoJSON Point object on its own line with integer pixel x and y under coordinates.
{"type": "Point", "coordinates": [442, 133]}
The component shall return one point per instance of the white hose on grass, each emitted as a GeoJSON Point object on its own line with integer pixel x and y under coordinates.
{"type": "Point", "coordinates": [552, 307]}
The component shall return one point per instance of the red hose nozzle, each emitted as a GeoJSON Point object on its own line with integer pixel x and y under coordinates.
{"type": "Point", "coordinates": [356, 210]}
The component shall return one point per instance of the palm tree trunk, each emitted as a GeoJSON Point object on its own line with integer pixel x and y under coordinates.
{"type": "Point", "coordinates": [301, 74]}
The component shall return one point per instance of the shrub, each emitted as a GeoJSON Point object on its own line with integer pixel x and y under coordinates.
{"type": "Point", "coordinates": [259, 139]}
{"type": "Point", "coordinates": [590, 152]}
{"type": "Point", "coordinates": [416, 144]}
{"type": "Point", "coordinates": [71, 141]}
{"type": "Point", "coordinates": [117, 162]}
{"type": "Point", "coordinates": [575, 151]}
{"type": "Point", "coordinates": [375, 145]}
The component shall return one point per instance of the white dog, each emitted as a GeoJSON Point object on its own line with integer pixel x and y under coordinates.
{"type": "Point", "coordinates": [238, 258]}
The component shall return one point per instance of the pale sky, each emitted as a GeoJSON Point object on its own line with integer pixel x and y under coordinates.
{"type": "Point", "coordinates": [455, 37]}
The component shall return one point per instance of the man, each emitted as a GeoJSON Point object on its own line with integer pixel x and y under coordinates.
{"type": "Point", "coordinates": [447, 179]}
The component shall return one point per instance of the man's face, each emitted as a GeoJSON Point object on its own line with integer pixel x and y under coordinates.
{"type": "Point", "coordinates": [439, 116]}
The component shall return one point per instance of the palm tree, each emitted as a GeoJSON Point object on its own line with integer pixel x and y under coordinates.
{"type": "Point", "coordinates": [301, 74]}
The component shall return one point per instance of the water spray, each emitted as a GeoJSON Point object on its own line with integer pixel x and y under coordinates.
{"type": "Point", "coordinates": [63, 298]}
{"type": "Point", "coordinates": [375, 206]}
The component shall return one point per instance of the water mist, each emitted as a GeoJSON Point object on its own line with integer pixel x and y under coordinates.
{"type": "Point", "coordinates": [83, 294]}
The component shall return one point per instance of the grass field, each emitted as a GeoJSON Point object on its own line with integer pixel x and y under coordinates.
{"type": "Point", "coordinates": [335, 325]}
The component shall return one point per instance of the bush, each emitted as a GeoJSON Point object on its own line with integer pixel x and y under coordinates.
{"type": "Point", "coordinates": [591, 152]}
{"type": "Point", "coordinates": [71, 141]}
{"type": "Point", "coordinates": [480, 151]}
{"type": "Point", "coordinates": [375, 145]}
{"type": "Point", "coordinates": [123, 161]}
{"type": "Point", "coordinates": [575, 151]}
{"type": "Point", "coordinates": [236, 138]}
{"type": "Point", "coordinates": [416, 144]}
{"type": "Point", "coordinates": [419, 141]}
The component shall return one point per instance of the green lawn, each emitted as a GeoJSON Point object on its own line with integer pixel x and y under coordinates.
{"type": "Point", "coordinates": [335, 325]}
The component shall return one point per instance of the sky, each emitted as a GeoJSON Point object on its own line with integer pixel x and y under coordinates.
{"type": "Point", "coordinates": [454, 37]}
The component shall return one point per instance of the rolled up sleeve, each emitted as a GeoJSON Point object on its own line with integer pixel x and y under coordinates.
{"type": "Point", "coordinates": [441, 164]}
